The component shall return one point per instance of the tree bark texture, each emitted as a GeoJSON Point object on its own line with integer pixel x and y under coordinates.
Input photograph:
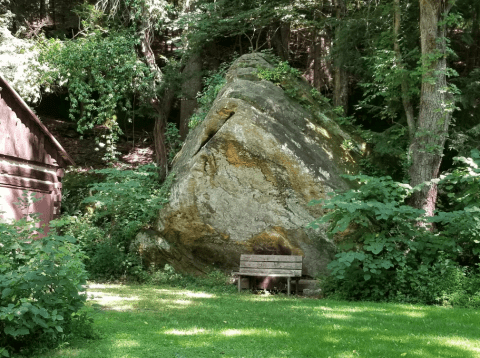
{"type": "Point", "coordinates": [473, 51]}
{"type": "Point", "coordinates": [281, 40]}
{"type": "Point", "coordinates": [407, 103]}
{"type": "Point", "coordinates": [162, 106]}
{"type": "Point", "coordinates": [191, 85]}
{"type": "Point", "coordinates": [319, 72]}
{"type": "Point", "coordinates": [434, 119]}
{"type": "Point", "coordinates": [43, 11]}
{"type": "Point", "coordinates": [340, 91]}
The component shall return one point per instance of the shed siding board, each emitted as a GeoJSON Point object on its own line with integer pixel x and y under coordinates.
{"type": "Point", "coordinates": [9, 196]}
{"type": "Point", "coordinates": [12, 187]}
{"type": "Point", "coordinates": [20, 141]}
{"type": "Point", "coordinates": [30, 120]}
{"type": "Point", "coordinates": [27, 172]}
{"type": "Point", "coordinates": [31, 159]}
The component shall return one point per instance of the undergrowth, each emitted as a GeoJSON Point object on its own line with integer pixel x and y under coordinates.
{"type": "Point", "coordinates": [388, 250]}
{"type": "Point", "coordinates": [112, 211]}
{"type": "Point", "coordinates": [213, 281]}
{"type": "Point", "coordinates": [41, 285]}
{"type": "Point", "coordinates": [213, 84]}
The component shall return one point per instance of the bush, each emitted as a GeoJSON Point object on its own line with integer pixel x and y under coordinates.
{"type": "Point", "coordinates": [75, 188]}
{"type": "Point", "coordinates": [102, 74]}
{"type": "Point", "coordinates": [41, 282]}
{"type": "Point", "coordinates": [119, 206]}
{"type": "Point", "coordinates": [384, 254]}
{"type": "Point", "coordinates": [213, 84]}
{"type": "Point", "coordinates": [460, 201]}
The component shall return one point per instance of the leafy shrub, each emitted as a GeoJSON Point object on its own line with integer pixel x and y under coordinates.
{"type": "Point", "coordinates": [462, 191]}
{"type": "Point", "coordinates": [102, 74]}
{"type": "Point", "coordinates": [41, 282]}
{"type": "Point", "coordinates": [384, 254]}
{"type": "Point", "coordinates": [120, 205]}
{"type": "Point", "coordinates": [285, 76]}
{"type": "Point", "coordinates": [213, 84]}
{"type": "Point", "coordinates": [19, 64]}
{"type": "Point", "coordinates": [434, 283]}
{"type": "Point", "coordinates": [166, 276]}
{"type": "Point", "coordinates": [75, 188]}
{"type": "Point", "coordinates": [281, 73]}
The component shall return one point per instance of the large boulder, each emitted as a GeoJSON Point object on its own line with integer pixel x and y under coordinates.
{"type": "Point", "coordinates": [245, 176]}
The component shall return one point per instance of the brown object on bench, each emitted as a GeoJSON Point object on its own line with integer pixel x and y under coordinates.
{"type": "Point", "coordinates": [271, 266]}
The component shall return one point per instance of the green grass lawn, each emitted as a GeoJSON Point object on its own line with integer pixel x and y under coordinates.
{"type": "Point", "coordinates": [152, 321]}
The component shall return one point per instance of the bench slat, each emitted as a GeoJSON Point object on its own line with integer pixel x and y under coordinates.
{"type": "Point", "coordinates": [274, 258]}
{"type": "Point", "coordinates": [268, 265]}
{"type": "Point", "coordinates": [265, 275]}
{"type": "Point", "coordinates": [270, 272]}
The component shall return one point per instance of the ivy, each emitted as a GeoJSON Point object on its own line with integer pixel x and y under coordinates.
{"type": "Point", "coordinates": [213, 84]}
{"type": "Point", "coordinates": [102, 75]}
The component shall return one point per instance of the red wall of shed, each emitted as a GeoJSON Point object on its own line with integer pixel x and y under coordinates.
{"type": "Point", "coordinates": [9, 196]}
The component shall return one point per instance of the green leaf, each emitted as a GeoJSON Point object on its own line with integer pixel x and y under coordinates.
{"type": "Point", "coordinates": [9, 330]}
{"type": "Point", "coordinates": [6, 292]}
{"type": "Point", "coordinates": [375, 247]}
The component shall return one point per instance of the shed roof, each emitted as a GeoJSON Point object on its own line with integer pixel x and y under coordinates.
{"type": "Point", "coordinates": [26, 115]}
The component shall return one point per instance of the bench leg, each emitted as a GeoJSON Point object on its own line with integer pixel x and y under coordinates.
{"type": "Point", "coordinates": [296, 286]}
{"type": "Point", "coordinates": [239, 283]}
{"type": "Point", "coordinates": [288, 285]}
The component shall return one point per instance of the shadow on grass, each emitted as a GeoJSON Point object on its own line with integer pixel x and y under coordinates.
{"type": "Point", "coordinates": [153, 322]}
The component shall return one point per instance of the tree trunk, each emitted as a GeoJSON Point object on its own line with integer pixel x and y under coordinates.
{"type": "Point", "coordinates": [43, 13]}
{"type": "Point", "coordinates": [312, 58]}
{"type": "Point", "coordinates": [407, 103]}
{"type": "Point", "coordinates": [340, 91]}
{"type": "Point", "coordinates": [162, 106]}
{"type": "Point", "coordinates": [192, 84]}
{"type": "Point", "coordinates": [54, 13]}
{"type": "Point", "coordinates": [163, 110]}
{"type": "Point", "coordinates": [434, 116]}
{"type": "Point", "coordinates": [319, 73]}
{"type": "Point", "coordinates": [281, 40]}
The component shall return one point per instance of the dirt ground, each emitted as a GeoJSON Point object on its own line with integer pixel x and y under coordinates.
{"type": "Point", "coordinates": [136, 148]}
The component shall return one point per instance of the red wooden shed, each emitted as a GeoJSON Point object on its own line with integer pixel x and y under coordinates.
{"type": "Point", "coordinates": [30, 159]}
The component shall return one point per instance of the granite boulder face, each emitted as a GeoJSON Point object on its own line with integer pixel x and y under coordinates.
{"type": "Point", "coordinates": [245, 176]}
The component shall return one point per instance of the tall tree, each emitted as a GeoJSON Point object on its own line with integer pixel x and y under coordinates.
{"type": "Point", "coordinates": [191, 86]}
{"type": "Point", "coordinates": [435, 104]}
{"type": "Point", "coordinates": [405, 90]}
{"type": "Point", "coordinates": [340, 95]}
{"type": "Point", "coordinates": [146, 16]}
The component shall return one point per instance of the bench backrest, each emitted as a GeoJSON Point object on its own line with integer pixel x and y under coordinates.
{"type": "Point", "coordinates": [271, 265]}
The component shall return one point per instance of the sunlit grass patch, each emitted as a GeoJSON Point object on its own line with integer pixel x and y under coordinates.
{"type": "Point", "coordinates": [170, 322]}
{"type": "Point", "coordinates": [189, 332]}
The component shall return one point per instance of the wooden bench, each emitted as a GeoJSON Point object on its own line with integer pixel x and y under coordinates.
{"type": "Point", "coordinates": [271, 266]}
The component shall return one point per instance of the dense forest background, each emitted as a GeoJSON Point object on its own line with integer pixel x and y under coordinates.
{"type": "Point", "coordinates": [366, 57]}
{"type": "Point", "coordinates": [403, 75]}
{"type": "Point", "coordinates": [151, 56]}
